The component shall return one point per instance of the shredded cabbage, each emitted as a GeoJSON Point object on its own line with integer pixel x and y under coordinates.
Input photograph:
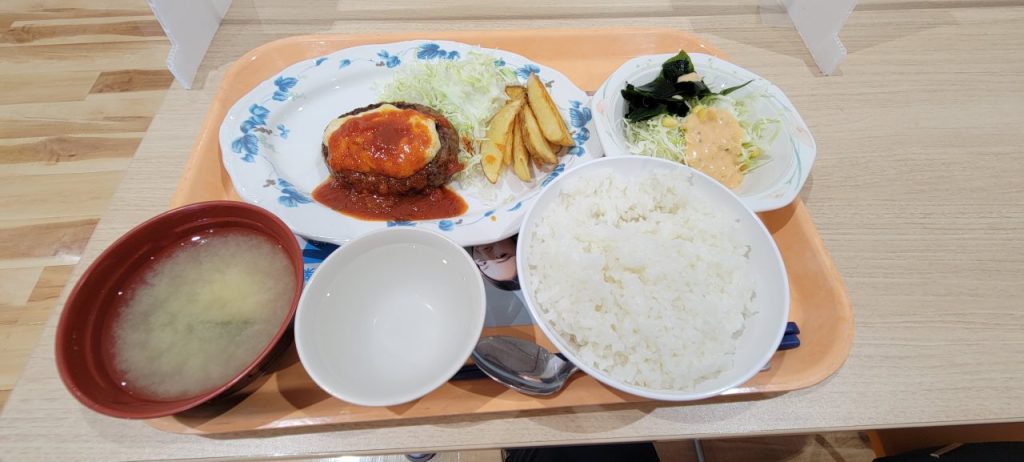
{"type": "Point", "coordinates": [660, 136]}
{"type": "Point", "coordinates": [468, 91]}
{"type": "Point", "coordinates": [663, 137]}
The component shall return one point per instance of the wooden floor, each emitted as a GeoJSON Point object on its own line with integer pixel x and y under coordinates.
{"type": "Point", "coordinates": [81, 82]}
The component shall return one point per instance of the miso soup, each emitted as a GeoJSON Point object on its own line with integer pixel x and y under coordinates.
{"type": "Point", "coordinates": [195, 319]}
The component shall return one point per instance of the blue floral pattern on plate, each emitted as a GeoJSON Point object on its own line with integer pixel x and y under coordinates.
{"type": "Point", "coordinates": [434, 51]}
{"type": "Point", "coordinates": [248, 145]}
{"type": "Point", "coordinates": [289, 196]}
{"type": "Point", "coordinates": [525, 70]}
{"type": "Point", "coordinates": [387, 59]}
{"type": "Point", "coordinates": [554, 174]}
{"type": "Point", "coordinates": [579, 117]}
{"type": "Point", "coordinates": [284, 86]}
{"type": "Point", "coordinates": [264, 135]}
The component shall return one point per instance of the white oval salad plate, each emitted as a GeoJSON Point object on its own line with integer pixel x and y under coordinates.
{"type": "Point", "coordinates": [767, 116]}
{"type": "Point", "coordinates": [271, 138]}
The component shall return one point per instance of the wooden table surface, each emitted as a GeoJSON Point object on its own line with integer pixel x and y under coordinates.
{"type": "Point", "coordinates": [917, 192]}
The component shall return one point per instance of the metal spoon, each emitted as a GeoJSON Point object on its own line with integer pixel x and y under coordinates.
{"type": "Point", "coordinates": [522, 365]}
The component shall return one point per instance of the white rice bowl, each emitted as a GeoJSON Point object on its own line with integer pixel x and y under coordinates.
{"type": "Point", "coordinates": [653, 278]}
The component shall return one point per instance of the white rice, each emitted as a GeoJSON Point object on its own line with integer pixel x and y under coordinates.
{"type": "Point", "coordinates": [643, 277]}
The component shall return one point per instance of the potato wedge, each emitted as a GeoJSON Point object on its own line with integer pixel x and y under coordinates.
{"type": "Point", "coordinates": [501, 123]}
{"type": "Point", "coordinates": [491, 160]}
{"type": "Point", "coordinates": [515, 92]}
{"type": "Point", "coordinates": [534, 139]}
{"type": "Point", "coordinates": [544, 109]}
{"type": "Point", "coordinates": [520, 158]}
{"type": "Point", "coordinates": [507, 147]}
{"type": "Point", "coordinates": [497, 148]}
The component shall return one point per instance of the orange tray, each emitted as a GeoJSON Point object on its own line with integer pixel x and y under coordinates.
{"type": "Point", "coordinates": [289, 398]}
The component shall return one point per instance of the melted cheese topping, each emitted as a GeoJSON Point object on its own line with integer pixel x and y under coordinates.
{"type": "Point", "coordinates": [385, 140]}
{"type": "Point", "coordinates": [714, 140]}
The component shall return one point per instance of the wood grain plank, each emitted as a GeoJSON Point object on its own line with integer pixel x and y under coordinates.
{"type": "Point", "coordinates": [29, 319]}
{"type": "Point", "coordinates": [61, 6]}
{"type": "Point", "coordinates": [132, 80]}
{"type": "Point", "coordinates": [45, 87]}
{"type": "Point", "coordinates": [11, 13]}
{"type": "Point", "coordinates": [95, 18]}
{"type": "Point", "coordinates": [18, 127]}
{"type": "Point", "coordinates": [101, 113]}
{"type": "Point", "coordinates": [875, 5]}
{"type": "Point", "coordinates": [16, 285]}
{"type": "Point", "coordinates": [9, 315]}
{"type": "Point", "coordinates": [49, 286]}
{"type": "Point", "coordinates": [525, 10]}
{"type": "Point", "coordinates": [67, 154]}
{"type": "Point", "coordinates": [49, 196]}
{"type": "Point", "coordinates": [44, 296]}
{"type": "Point", "coordinates": [31, 240]}
{"type": "Point", "coordinates": [16, 341]}
{"type": "Point", "coordinates": [88, 56]}
{"type": "Point", "coordinates": [82, 30]}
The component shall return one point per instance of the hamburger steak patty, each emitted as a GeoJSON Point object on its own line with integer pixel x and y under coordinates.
{"type": "Point", "coordinates": [435, 174]}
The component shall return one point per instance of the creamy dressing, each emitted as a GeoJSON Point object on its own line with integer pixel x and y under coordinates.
{"type": "Point", "coordinates": [714, 141]}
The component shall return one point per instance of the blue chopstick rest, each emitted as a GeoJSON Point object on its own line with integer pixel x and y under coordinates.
{"type": "Point", "coordinates": [789, 338]}
{"type": "Point", "coordinates": [789, 342]}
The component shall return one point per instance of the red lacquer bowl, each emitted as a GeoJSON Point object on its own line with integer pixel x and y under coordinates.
{"type": "Point", "coordinates": [84, 347]}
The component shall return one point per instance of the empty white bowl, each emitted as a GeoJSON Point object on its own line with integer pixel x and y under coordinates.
{"type": "Point", "coordinates": [390, 316]}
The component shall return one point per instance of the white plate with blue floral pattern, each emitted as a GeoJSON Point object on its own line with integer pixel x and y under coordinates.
{"type": "Point", "coordinates": [270, 140]}
{"type": "Point", "coordinates": [790, 156]}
